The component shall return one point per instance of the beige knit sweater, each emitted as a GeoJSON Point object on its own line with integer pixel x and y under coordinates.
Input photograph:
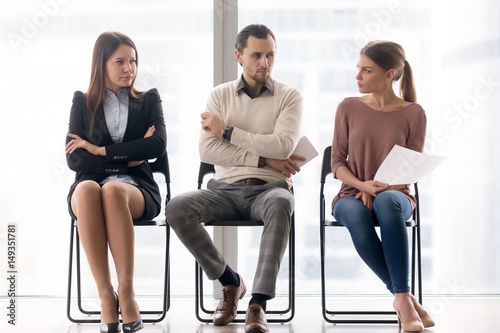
{"type": "Point", "coordinates": [267, 126]}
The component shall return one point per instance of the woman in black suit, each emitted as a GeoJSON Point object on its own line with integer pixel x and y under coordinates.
{"type": "Point", "coordinates": [113, 130]}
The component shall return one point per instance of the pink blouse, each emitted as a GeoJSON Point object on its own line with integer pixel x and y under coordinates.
{"type": "Point", "coordinates": [363, 137]}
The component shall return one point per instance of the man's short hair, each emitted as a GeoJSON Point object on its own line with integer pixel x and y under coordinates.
{"type": "Point", "coordinates": [259, 31]}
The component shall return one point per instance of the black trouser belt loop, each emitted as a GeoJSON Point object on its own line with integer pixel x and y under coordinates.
{"type": "Point", "coordinates": [250, 182]}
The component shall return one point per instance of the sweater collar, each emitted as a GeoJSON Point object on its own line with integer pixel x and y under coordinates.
{"type": "Point", "coordinates": [242, 85]}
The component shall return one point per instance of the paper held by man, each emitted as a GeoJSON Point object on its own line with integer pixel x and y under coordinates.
{"type": "Point", "coordinates": [406, 166]}
{"type": "Point", "coordinates": [305, 149]}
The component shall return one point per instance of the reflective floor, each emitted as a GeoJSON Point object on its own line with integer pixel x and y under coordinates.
{"type": "Point", "coordinates": [452, 314]}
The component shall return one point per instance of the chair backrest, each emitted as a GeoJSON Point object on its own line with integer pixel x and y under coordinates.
{"type": "Point", "coordinates": [205, 169]}
{"type": "Point", "coordinates": [160, 165]}
{"type": "Point", "coordinates": [326, 168]}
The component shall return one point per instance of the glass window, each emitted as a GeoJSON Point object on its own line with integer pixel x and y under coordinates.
{"type": "Point", "coordinates": [456, 78]}
{"type": "Point", "coordinates": [46, 52]}
{"type": "Point", "coordinates": [47, 56]}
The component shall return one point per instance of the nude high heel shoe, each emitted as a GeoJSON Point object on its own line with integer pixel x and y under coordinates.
{"type": "Point", "coordinates": [427, 321]}
{"type": "Point", "coordinates": [412, 326]}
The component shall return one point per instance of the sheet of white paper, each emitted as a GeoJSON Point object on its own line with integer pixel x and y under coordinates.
{"type": "Point", "coordinates": [306, 149]}
{"type": "Point", "coordinates": [406, 166]}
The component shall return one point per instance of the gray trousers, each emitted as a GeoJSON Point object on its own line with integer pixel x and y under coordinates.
{"type": "Point", "coordinates": [271, 203]}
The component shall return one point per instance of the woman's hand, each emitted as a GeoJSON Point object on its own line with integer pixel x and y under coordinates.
{"type": "Point", "coordinates": [373, 187]}
{"type": "Point", "coordinates": [366, 198]}
{"type": "Point", "coordinates": [149, 133]}
{"type": "Point", "coordinates": [78, 142]}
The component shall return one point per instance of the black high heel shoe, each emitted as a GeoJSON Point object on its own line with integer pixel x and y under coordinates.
{"type": "Point", "coordinates": [112, 327]}
{"type": "Point", "coordinates": [133, 326]}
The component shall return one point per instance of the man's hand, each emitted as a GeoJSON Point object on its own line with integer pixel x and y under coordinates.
{"type": "Point", "coordinates": [288, 166]}
{"type": "Point", "coordinates": [212, 123]}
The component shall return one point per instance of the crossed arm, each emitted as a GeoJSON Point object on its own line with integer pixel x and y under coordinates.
{"type": "Point", "coordinates": [210, 122]}
{"type": "Point", "coordinates": [78, 142]}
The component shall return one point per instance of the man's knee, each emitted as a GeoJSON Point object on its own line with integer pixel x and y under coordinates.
{"type": "Point", "coordinates": [280, 202]}
{"type": "Point", "coordinates": [178, 209]}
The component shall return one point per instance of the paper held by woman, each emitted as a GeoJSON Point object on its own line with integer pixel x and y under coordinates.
{"type": "Point", "coordinates": [406, 166]}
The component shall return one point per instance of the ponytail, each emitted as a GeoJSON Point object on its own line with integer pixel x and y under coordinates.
{"type": "Point", "coordinates": [389, 55]}
{"type": "Point", "coordinates": [406, 86]}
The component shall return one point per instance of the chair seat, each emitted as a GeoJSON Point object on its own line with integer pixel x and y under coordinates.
{"type": "Point", "coordinates": [159, 223]}
{"type": "Point", "coordinates": [334, 223]}
{"type": "Point", "coordinates": [242, 223]}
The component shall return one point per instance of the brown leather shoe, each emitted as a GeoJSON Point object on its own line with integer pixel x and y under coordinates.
{"type": "Point", "coordinates": [255, 320]}
{"type": "Point", "coordinates": [228, 305]}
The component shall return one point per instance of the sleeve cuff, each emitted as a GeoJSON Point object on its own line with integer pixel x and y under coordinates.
{"type": "Point", "coordinates": [262, 162]}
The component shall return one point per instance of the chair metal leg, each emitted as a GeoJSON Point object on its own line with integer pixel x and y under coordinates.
{"type": "Point", "coordinates": [326, 312]}
{"type": "Point", "coordinates": [70, 274]}
{"type": "Point", "coordinates": [74, 236]}
{"type": "Point", "coordinates": [322, 264]}
{"type": "Point", "coordinates": [166, 284]}
{"type": "Point", "coordinates": [291, 272]}
{"type": "Point", "coordinates": [199, 301]}
{"type": "Point", "coordinates": [166, 288]}
{"type": "Point", "coordinates": [415, 266]}
{"type": "Point", "coordinates": [199, 295]}
{"type": "Point", "coordinates": [419, 265]}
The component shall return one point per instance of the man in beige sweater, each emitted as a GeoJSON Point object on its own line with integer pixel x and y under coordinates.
{"type": "Point", "coordinates": [250, 129]}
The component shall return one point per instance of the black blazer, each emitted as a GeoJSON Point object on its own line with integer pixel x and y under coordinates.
{"type": "Point", "coordinates": [143, 113]}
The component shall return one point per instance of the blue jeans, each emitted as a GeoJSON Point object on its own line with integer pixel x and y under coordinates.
{"type": "Point", "coordinates": [389, 258]}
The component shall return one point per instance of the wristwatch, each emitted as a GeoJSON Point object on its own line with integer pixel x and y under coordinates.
{"type": "Point", "coordinates": [225, 133]}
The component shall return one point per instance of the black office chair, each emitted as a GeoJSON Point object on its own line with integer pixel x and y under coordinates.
{"type": "Point", "coordinates": [160, 165]}
{"type": "Point", "coordinates": [206, 169]}
{"type": "Point", "coordinates": [416, 264]}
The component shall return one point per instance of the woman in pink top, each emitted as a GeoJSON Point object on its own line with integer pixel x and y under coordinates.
{"type": "Point", "coordinates": [366, 129]}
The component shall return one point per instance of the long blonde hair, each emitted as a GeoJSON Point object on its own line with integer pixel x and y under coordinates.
{"type": "Point", "coordinates": [105, 45]}
{"type": "Point", "coordinates": [389, 55]}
